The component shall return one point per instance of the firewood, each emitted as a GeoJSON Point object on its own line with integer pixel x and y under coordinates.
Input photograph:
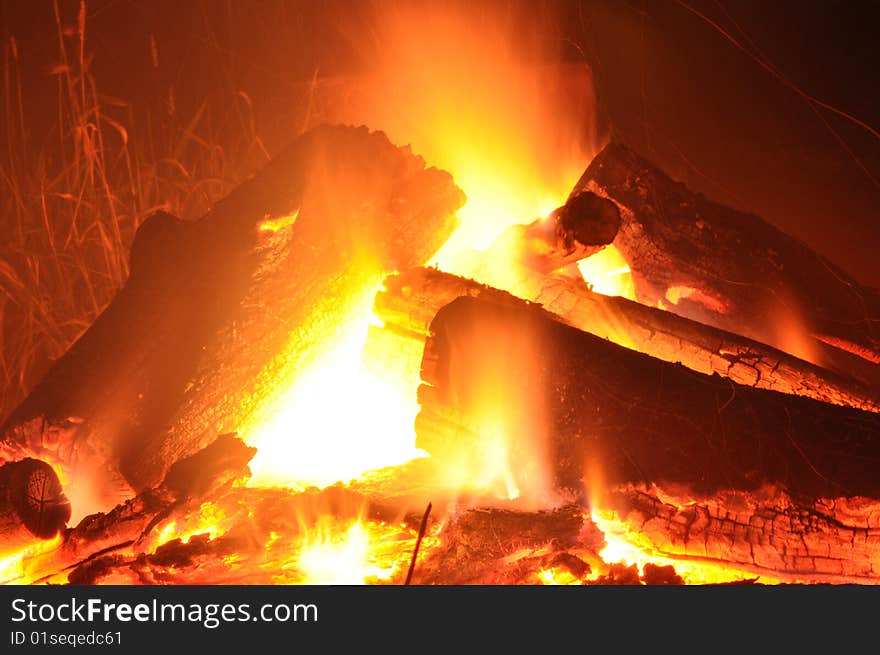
{"type": "Point", "coordinates": [766, 533]}
{"type": "Point", "coordinates": [412, 298]}
{"type": "Point", "coordinates": [703, 467]}
{"type": "Point", "coordinates": [32, 503]}
{"type": "Point", "coordinates": [216, 310]}
{"type": "Point", "coordinates": [189, 481]}
{"type": "Point", "coordinates": [632, 417]}
{"type": "Point", "coordinates": [732, 269]}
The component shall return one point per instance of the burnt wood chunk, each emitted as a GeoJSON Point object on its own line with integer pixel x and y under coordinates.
{"type": "Point", "coordinates": [733, 269]}
{"type": "Point", "coordinates": [32, 504]}
{"type": "Point", "coordinates": [595, 408]}
{"type": "Point", "coordinates": [216, 310]}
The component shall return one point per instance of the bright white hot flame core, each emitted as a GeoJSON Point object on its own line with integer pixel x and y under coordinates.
{"type": "Point", "coordinates": [343, 560]}
{"type": "Point", "coordinates": [337, 420]}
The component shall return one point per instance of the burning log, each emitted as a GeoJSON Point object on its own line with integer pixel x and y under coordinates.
{"type": "Point", "coordinates": [188, 482]}
{"type": "Point", "coordinates": [32, 503]}
{"type": "Point", "coordinates": [733, 270]}
{"type": "Point", "coordinates": [256, 539]}
{"type": "Point", "coordinates": [616, 422]}
{"type": "Point", "coordinates": [611, 409]}
{"type": "Point", "coordinates": [411, 299]}
{"type": "Point", "coordinates": [217, 309]}
{"type": "Point", "coordinates": [831, 540]}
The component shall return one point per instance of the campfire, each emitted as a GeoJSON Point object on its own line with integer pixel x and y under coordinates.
{"type": "Point", "coordinates": [371, 364]}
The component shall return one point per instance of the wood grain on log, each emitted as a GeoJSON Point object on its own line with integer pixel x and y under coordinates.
{"type": "Point", "coordinates": [607, 410]}
{"type": "Point", "coordinates": [412, 298]}
{"type": "Point", "coordinates": [693, 467]}
{"type": "Point", "coordinates": [734, 270]}
{"type": "Point", "coordinates": [217, 310]}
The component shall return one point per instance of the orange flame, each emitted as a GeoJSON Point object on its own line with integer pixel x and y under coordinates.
{"type": "Point", "coordinates": [515, 134]}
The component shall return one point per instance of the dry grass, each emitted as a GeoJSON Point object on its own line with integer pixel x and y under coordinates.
{"type": "Point", "coordinates": [70, 202]}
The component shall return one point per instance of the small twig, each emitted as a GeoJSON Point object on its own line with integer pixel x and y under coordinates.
{"type": "Point", "coordinates": [422, 528]}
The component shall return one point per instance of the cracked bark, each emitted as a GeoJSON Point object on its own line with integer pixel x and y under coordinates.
{"type": "Point", "coordinates": [734, 270]}
{"type": "Point", "coordinates": [613, 420]}
{"type": "Point", "coordinates": [411, 299]}
{"type": "Point", "coordinates": [767, 533]}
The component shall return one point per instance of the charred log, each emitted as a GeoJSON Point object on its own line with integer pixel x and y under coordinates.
{"type": "Point", "coordinates": [189, 482]}
{"type": "Point", "coordinates": [190, 345]}
{"type": "Point", "coordinates": [258, 542]}
{"type": "Point", "coordinates": [629, 417]}
{"type": "Point", "coordinates": [732, 269]}
{"type": "Point", "coordinates": [694, 467]}
{"type": "Point", "coordinates": [32, 503]}
{"type": "Point", "coordinates": [765, 533]}
{"type": "Point", "coordinates": [411, 299]}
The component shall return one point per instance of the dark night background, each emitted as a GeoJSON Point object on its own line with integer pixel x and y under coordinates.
{"type": "Point", "coordinates": [669, 83]}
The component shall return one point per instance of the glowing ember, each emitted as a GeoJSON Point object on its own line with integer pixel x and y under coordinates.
{"type": "Point", "coordinates": [624, 545]}
{"type": "Point", "coordinates": [18, 567]}
{"type": "Point", "coordinates": [557, 576]}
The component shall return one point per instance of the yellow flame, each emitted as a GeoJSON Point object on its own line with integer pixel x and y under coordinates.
{"type": "Point", "coordinates": [211, 519]}
{"type": "Point", "coordinates": [337, 419]}
{"type": "Point", "coordinates": [341, 559]}
{"type": "Point", "coordinates": [608, 273]}
{"type": "Point", "coordinates": [275, 224]}
{"type": "Point", "coordinates": [558, 576]}
{"type": "Point", "coordinates": [514, 134]}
